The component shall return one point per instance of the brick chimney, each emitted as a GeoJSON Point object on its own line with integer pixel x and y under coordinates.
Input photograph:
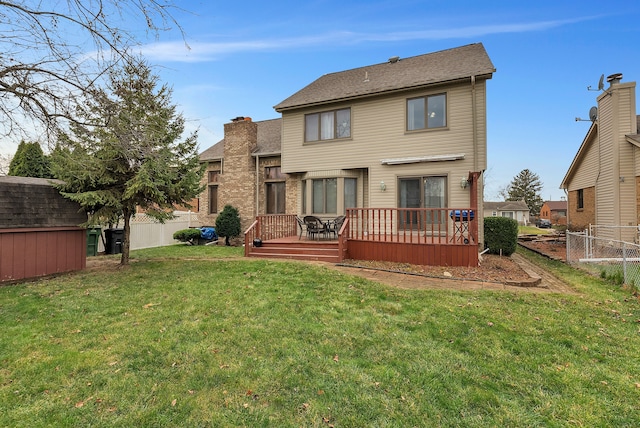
{"type": "Point", "coordinates": [239, 176]}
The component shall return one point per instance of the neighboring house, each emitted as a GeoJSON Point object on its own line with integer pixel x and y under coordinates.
{"type": "Point", "coordinates": [555, 212]}
{"type": "Point", "coordinates": [603, 181]}
{"type": "Point", "coordinates": [517, 210]}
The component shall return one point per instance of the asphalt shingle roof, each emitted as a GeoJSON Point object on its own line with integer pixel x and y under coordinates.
{"type": "Point", "coordinates": [556, 205]}
{"type": "Point", "coordinates": [269, 141]}
{"type": "Point", "coordinates": [506, 206]}
{"type": "Point", "coordinates": [405, 73]}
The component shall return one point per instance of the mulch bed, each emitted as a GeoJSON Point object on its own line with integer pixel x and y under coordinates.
{"type": "Point", "coordinates": [493, 268]}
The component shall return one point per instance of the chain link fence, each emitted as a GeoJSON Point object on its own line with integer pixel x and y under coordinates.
{"type": "Point", "coordinates": [608, 258]}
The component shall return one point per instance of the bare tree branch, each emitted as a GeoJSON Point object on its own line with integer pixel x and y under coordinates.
{"type": "Point", "coordinates": [53, 53]}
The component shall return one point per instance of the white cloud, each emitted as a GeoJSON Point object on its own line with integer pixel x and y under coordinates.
{"type": "Point", "coordinates": [178, 51]}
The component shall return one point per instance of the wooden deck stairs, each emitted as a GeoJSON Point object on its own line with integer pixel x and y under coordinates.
{"type": "Point", "coordinates": [303, 249]}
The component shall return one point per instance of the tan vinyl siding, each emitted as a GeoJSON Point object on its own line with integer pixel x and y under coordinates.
{"type": "Point", "coordinates": [586, 175]}
{"type": "Point", "coordinates": [378, 132]}
{"type": "Point", "coordinates": [606, 189]}
{"type": "Point", "coordinates": [626, 183]}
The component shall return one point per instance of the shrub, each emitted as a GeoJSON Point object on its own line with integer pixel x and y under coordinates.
{"type": "Point", "coordinates": [228, 223]}
{"type": "Point", "coordinates": [187, 235]}
{"type": "Point", "coordinates": [500, 235]}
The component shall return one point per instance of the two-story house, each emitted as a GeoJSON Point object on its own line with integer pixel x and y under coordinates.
{"type": "Point", "coordinates": [603, 180]}
{"type": "Point", "coordinates": [408, 133]}
{"type": "Point", "coordinates": [405, 133]}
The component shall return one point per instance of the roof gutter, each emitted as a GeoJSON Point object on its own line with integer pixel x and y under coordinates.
{"type": "Point", "coordinates": [381, 92]}
{"type": "Point", "coordinates": [266, 154]}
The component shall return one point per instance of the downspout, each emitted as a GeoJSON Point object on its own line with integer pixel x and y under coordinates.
{"type": "Point", "coordinates": [475, 174]}
{"type": "Point", "coordinates": [474, 115]}
{"type": "Point", "coordinates": [257, 185]}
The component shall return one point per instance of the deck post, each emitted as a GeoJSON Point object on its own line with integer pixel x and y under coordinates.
{"type": "Point", "coordinates": [473, 201]}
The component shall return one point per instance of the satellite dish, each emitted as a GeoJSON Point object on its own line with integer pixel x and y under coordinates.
{"type": "Point", "coordinates": [600, 85]}
{"type": "Point", "coordinates": [593, 113]}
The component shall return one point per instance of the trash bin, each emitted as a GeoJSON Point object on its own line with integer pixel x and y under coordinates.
{"type": "Point", "coordinates": [93, 239]}
{"type": "Point", "coordinates": [113, 241]}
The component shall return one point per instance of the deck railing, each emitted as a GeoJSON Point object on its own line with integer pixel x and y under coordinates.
{"type": "Point", "coordinates": [270, 226]}
{"type": "Point", "coordinates": [413, 225]}
{"type": "Point", "coordinates": [274, 226]}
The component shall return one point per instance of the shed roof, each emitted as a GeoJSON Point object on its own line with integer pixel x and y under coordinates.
{"type": "Point", "coordinates": [394, 75]}
{"type": "Point", "coordinates": [34, 202]}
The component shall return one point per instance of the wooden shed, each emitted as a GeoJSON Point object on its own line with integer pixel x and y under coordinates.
{"type": "Point", "coordinates": [39, 230]}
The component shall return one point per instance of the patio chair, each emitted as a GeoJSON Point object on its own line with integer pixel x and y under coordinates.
{"type": "Point", "coordinates": [315, 226]}
{"type": "Point", "coordinates": [335, 225]}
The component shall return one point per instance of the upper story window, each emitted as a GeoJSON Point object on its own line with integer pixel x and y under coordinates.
{"type": "Point", "coordinates": [427, 112]}
{"type": "Point", "coordinates": [273, 173]}
{"type": "Point", "coordinates": [327, 125]}
{"type": "Point", "coordinates": [213, 176]}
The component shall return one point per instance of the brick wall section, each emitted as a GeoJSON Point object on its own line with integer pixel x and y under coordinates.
{"type": "Point", "coordinates": [205, 218]}
{"type": "Point", "coordinates": [237, 182]}
{"type": "Point", "coordinates": [262, 197]}
{"type": "Point", "coordinates": [292, 192]}
{"type": "Point", "coordinates": [580, 219]}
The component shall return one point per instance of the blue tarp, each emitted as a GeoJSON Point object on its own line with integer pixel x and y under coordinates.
{"type": "Point", "coordinates": [208, 233]}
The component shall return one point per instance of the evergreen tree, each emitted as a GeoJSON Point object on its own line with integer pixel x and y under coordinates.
{"type": "Point", "coordinates": [130, 157]}
{"type": "Point", "coordinates": [30, 161]}
{"type": "Point", "coordinates": [526, 186]}
{"type": "Point", "coordinates": [228, 223]}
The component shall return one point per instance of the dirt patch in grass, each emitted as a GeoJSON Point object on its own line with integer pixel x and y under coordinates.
{"type": "Point", "coordinates": [554, 247]}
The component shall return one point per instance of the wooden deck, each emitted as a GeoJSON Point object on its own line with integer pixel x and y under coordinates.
{"type": "Point", "coordinates": [370, 235]}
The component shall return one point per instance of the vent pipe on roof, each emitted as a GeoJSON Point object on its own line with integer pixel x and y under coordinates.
{"type": "Point", "coordinates": [241, 119]}
{"type": "Point", "coordinates": [614, 78]}
{"type": "Point", "coordinates": [394, 59]}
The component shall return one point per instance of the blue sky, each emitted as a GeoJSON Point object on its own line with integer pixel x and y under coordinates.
{"type": "Point", "coordinates": [245, 57]}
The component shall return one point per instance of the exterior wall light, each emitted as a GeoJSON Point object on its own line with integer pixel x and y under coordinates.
{"type": "Point", "coordinates": [464, 183]}
{"type": "Point", "coordinates": [383, 186]}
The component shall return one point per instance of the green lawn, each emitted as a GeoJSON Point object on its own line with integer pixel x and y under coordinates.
{"type": "Point", "coordinates": [533, 230]}
{"type": "Point", "coordinates": [193, 336]}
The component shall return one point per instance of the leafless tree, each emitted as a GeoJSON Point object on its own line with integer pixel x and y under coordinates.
{"type": "Point", "coordinates": [52, 53]}
{"type": "Point", "coordinates": [5, 160]}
